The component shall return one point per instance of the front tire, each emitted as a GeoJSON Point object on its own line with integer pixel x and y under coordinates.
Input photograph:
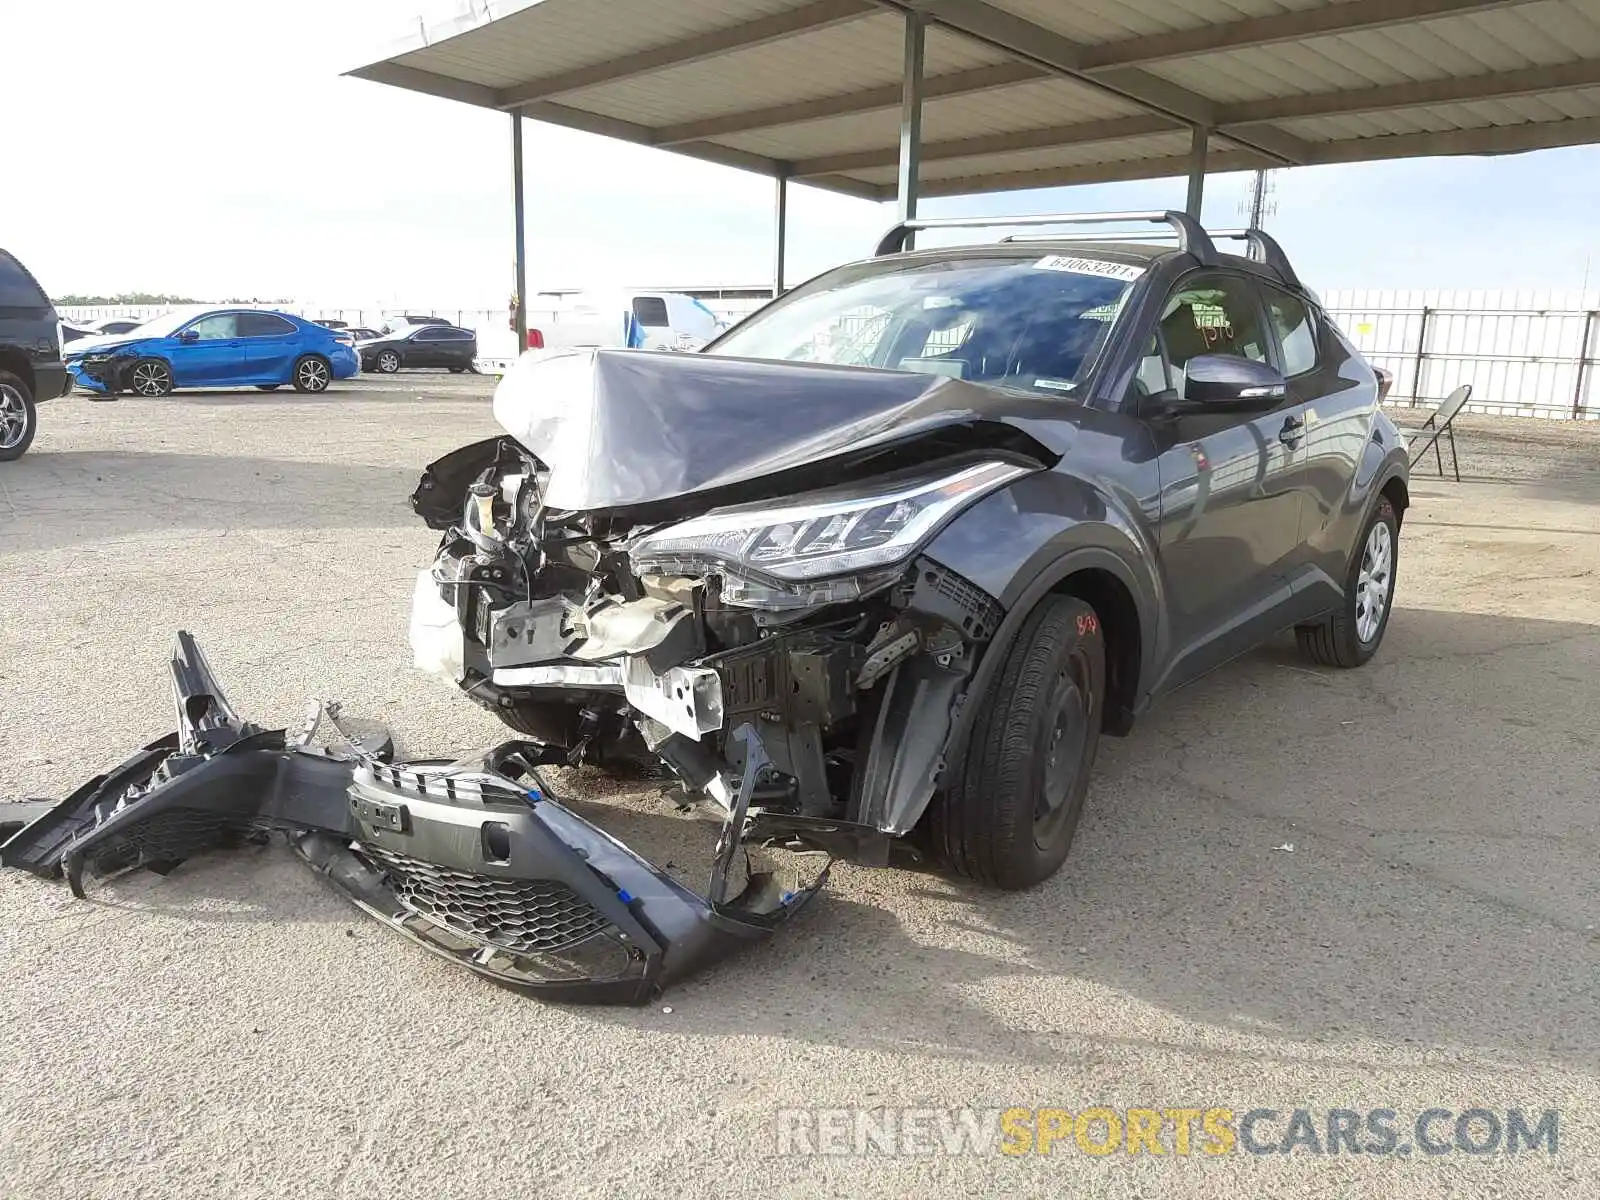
{"type": "Point", "coordinates": [1352, 635]}
{"type": "Point", "coordinates": [388, 361]}
{"type": "Point", "coordinates": [1011, 808]}
{"type": "Point", "coordinates": [312, 373]}
{"type": "Point", "coordinates": [19, 419]}
{"type": "Point", "coordinates": [150, 377]}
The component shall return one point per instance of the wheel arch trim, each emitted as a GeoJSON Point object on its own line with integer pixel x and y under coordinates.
{"type": "Point", "coordinates": [1046, 582]}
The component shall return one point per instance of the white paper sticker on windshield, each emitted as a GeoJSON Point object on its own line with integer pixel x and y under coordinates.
{"type": "Point", "coordinates": [1087, 266]}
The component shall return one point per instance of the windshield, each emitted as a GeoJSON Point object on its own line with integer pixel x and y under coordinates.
{"type": "Point", "coordinates": [1034, 322]}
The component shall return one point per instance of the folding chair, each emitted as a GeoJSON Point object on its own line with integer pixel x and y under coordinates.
{"type": "Point", "coordinates": [1440, 424]}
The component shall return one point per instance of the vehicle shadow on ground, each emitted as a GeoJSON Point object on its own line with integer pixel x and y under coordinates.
{"type": "Point", "coordinates": [1437, 898]}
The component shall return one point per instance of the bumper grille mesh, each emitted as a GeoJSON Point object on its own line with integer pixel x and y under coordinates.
{"type": "Point", "coordinates": [168, 836]}
{"type": "Point", "coordinates": [521, 915]}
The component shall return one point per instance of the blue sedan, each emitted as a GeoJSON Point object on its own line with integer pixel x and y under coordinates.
{"type": "Point", "coordinates": [216, 347]}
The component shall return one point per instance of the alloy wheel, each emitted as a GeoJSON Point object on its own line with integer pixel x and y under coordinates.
{"type": "Point", "coordinates": [1374, 581]}
{"type": "Point", "coordinates": [13, 417]}
{"type": "Point", "coordinates": [388, 362]}
{"type": "Point", "coordinates": [151, 379]}
{"type": "Point", "coordinates": [313, 375]}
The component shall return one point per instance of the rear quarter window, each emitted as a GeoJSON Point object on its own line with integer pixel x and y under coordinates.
{"type": "Point", "coordinates": [18, 291]}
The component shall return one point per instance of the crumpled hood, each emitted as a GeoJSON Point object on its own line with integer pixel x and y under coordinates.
{"type": "Point", "coordinates": [620, 428]}
{"type": "Point", "coordinates": [101, 345]}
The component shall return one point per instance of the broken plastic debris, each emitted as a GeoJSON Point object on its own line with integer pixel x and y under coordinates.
{"type": "Point", "coordinates": [1287, 847]}
{"type": "Point", "coordinates": [667, 1008]}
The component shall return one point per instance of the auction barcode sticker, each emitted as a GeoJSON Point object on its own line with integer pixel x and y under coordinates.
{"type": "Point", "coordinates": [1088, 266]}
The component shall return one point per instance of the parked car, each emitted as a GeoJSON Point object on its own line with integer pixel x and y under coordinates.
{"type": "Point", "coordinates": [114, 326]}
{"type": "Point", "coordinates": [31, 370]}
{"type": "Point", "coordinates": [330, 323]}
{"type": "Point", "coordinates": [421, 346]}
{"type": "Point", "coordinates": [905, 542]}
{"type": "Point", "coordinates": [215, 347]}
{"type": "Point", "coordinates": [71, 332]}
{"type": "Point", "coordinates": [405, 320]}
{"type": "Point", "coordinates": [362, 333]}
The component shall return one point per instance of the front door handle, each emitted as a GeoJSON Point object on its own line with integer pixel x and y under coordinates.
{"type": "Point", "coordinates": [1294, 428]}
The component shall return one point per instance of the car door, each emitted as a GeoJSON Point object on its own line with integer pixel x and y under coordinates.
{"type": "Point", "coordinates": [271, 346]}
{"type": "Point", "coordinates": [1339, 393]}
{"type": "Point", "coordinates": [208, 352]}
{"type": "Point", "coordinates": [459, 347]}
{"type": "Point", "coordinates": [1231, 483]}
{"type": "Point", "coordinates": [422, 348]}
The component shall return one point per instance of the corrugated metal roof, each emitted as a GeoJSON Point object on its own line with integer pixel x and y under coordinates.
{"type": "Point", "coordinates": [1028, 90]}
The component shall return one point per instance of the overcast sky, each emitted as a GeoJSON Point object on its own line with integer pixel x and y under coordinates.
{"type": "Point", "coordinates": [213, 149]}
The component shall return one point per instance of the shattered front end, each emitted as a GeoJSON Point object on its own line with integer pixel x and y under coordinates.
{"type": "Point", "coordinates": [475, 860]}
{"type": "Point", "coordinates": [761, 591]}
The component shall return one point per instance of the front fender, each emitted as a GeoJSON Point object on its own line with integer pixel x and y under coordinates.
{"type": "Point", "coordinates": [1019, 544]}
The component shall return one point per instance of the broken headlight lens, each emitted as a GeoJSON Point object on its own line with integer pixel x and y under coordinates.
{"type": "Point", "coordinates": [817, 549]}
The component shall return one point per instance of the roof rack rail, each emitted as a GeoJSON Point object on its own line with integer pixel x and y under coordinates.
{"type": "Point", "coordinates": [1263, 248]}
{"type": "Point", "coordinates": [1191, 237]}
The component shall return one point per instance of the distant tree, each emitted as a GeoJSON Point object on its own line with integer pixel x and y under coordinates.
{"type": "Point", "coordinates": [126, 298]}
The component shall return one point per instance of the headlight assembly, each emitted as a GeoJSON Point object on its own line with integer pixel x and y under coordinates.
{"type": "Point", "coordinates": [818, 549]}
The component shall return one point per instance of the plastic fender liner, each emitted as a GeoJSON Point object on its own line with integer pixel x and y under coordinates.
{"type": "Point", "coordinates": [465, 858]}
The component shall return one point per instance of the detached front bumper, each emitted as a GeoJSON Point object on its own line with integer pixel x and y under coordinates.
{"type": "Point", "coordinates": [474, 860]}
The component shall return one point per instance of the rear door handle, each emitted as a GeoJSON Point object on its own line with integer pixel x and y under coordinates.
{"type": "Point", "coordinates": [1294, 428]}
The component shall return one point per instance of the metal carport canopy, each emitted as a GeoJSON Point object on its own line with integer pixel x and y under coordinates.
{"type": "Point", "coordinates": [1027, 93]}
{"type": "Point", "coordinates": [886, 98]}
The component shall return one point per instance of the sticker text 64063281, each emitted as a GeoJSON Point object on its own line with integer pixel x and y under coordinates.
{"type": "Point", "coordinates": [1088, 266]}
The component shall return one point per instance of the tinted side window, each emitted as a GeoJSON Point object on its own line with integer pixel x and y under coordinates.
{"type": "Point", "coordinates": [1212, 315]}
{"type": "Point", "coordinates": [17, 288]}
{"type": "Point", "coordinates": [263, 325]}
{"type": "Point", "coordinates": [1297, 332]}
{"type": "Point", "coordinates": [428, 334]}
{"type": "Point", "coordinates": [651, 310]}
{"type": "Point", "coordinates": [459, 335]}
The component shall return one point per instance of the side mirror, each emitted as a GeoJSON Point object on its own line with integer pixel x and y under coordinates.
{"type": "Point", "coordinates": [1227, 383]}
{"type": "Point", "coordinates": [188, 335]}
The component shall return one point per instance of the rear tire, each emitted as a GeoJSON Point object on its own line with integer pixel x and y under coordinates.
{"type": "Point", "coordinates": [312, 373]}
{"type": "Point", "coordinates": [457, 370]}
{"type": "Point", "coordinates": [19, 419]}
{"type": "Point", "coordinates": [150, 377]}
{"type": "Point", "coordinates": [1009, 812]}
{"type": "Point", "coordinates": [1351, 636]}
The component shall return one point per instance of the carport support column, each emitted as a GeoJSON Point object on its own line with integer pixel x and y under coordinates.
{"type": "Point", "coordinates": [780, 227]}
{"type": "Point", "coordinates": [911, 118]}
{"type": "Point", "coordinates": [1197, 170]}
{"type": "Point", "coordinates": [521, 315]}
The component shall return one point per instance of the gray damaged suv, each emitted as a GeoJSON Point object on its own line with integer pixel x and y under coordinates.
{"type": "Point", "coordinates": [871, 576]}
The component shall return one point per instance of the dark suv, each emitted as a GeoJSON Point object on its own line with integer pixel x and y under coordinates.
{"type": "Point", "coordinates": [30, 356]}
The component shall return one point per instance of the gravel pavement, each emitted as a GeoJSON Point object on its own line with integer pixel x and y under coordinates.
{"type": "Point", "coordinates": [238, 1030]}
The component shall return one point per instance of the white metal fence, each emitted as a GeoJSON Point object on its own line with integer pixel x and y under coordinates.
{"type": "Point", "coordinates": [1526, 354]}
